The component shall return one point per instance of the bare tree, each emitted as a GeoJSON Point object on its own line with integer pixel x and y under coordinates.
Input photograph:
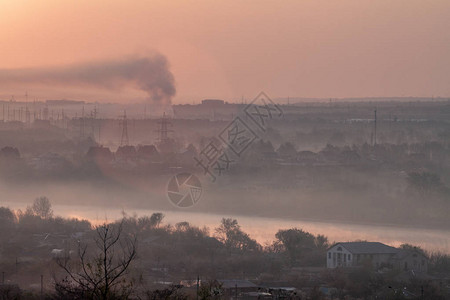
{"type": "Point", "coordinates": [42, 207]}
{"type": "Point", "coordinates": [101, 273]}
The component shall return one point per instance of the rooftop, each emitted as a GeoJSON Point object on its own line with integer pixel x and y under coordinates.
{"type": "Point", "coordinates": [232, 283]}
{"type": "Point", "coordinates": [368, 247]}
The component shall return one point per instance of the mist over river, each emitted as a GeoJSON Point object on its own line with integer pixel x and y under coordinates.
{"type": "Point", "coordinates": [263, 229]}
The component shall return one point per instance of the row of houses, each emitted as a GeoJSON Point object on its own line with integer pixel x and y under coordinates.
{"type": "Point", "coordinates": [341, 255]}
{"type": "Point", "coordinates": [411, 262]}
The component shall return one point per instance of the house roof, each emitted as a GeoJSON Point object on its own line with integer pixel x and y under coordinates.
{"type": "Point", "coordinates": [403, 253]}
{"type": "Point", "coordinates": [232, 283]}
{"type": "Point", "coordinates": [368, 248]}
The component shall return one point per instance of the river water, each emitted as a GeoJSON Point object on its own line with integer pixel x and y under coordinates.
{"type": "Point", "coordinates": [263, 229]}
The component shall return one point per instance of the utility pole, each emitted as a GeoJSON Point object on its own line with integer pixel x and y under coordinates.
{"type": "Point", "coordinates": [63, 119]}
{"type": "Point", "coordinates": [375, 128]}
{"type": "Point", "coordinates": [198, 283]}
{"type": "Point", "coordinates": [42, 286]}
{"type": "Point", "coordinates": [82, 123]}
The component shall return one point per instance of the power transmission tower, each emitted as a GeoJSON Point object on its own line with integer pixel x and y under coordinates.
{"type": "Point", "coordinates": [27, 115]}
{"type": "Point", "coordinates": [45, 112]}
{"type": "Point", "coordinates": [124, 122]}
{"type": "Point", "coordinates": [93, 121]}
{"type": "Point", "coordinates": [163, 130]}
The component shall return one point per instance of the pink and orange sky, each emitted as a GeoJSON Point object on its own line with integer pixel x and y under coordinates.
{"type": "Point", "coordinates": [229, 49]}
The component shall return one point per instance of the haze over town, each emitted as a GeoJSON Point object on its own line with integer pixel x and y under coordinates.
{"type": "Point", "coordinates": [224, 150]}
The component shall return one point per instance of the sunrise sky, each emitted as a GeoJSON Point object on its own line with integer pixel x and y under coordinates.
{"type": "Point", "coordinates": [229, 49]}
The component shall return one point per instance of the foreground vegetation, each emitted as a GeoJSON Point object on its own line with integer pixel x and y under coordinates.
{"type": "Point", "coordinates": [142, 257]}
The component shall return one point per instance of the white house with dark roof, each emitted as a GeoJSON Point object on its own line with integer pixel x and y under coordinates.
{"type": "Point", "coordinates": [351, 254]}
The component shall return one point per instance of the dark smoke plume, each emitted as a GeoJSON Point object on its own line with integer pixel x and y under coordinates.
{"type": "Point", "coordinates": [149, 74]}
